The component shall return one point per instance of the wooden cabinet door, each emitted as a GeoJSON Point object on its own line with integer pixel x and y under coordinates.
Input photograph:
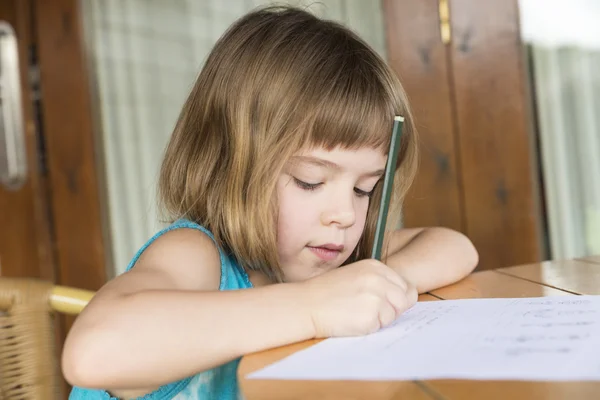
{"type": "Point", "coordinates": [51, 226]}
{"type": "Point", "coordinates": [479, 169]}
{"type": "Point", "coordinates": [25, 239]}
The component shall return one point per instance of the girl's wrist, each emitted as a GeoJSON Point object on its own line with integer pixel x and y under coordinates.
{"type": "Point", "coordinates": [303, 306]}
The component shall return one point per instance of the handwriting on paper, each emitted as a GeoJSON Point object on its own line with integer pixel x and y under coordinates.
{"type": "Point", "coordinates": [550, 338]}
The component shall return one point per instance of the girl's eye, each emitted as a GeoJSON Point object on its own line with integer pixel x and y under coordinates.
{"type": "Point", "coordinates": [313, 186]}
{"type": "Point", "coordinates": [305, 185]}
{"type": "Point", "coordinates": [362, 193]}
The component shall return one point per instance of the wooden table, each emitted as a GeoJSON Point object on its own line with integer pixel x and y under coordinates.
{"type": "Point", "coordinates": [570, 277]}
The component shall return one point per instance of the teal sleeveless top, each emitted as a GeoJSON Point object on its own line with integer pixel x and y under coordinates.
{"type": "Point", "coordinates": [219, 383]}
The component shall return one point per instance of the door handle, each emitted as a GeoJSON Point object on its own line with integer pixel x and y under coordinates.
{"type": "Point", "coordinates": [13, 157]}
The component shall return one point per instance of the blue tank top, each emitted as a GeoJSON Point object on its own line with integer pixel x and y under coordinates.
{"type": "Point", "coordinates": [219, 383]}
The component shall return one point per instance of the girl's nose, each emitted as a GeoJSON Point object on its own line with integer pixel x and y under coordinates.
{"type": "Point", "coordinates": [341, 212]}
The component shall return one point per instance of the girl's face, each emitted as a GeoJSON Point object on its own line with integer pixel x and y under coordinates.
{"type": "Point", "coordinates": [323, 201]}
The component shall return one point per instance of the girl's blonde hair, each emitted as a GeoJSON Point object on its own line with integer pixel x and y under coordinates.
{"type": "Point", "coordinates": [278, 81]}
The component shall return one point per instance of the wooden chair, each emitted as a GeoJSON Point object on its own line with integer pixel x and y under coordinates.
{"type": "Point", "coordinates": [28, 359]}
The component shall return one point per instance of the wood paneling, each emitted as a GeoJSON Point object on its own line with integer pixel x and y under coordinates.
{"type": "Point", "coordinates": [68, 127]}
{"type": "Point", "coordinates": [25, 240]}
{"type": "Point", "coordinates": [418, 56]}
{"type": "Point", "coordinates": [67, 120]}
{"type": "Point", "coordinates": [26, 237]}
{"type": "Point", "coordinates": [497, 156]}
{"type": "Point", "coordinates": [479, 172]}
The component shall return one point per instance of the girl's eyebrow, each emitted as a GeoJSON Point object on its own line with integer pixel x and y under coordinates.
{"type": "Point", "coordinates": [319, 162]}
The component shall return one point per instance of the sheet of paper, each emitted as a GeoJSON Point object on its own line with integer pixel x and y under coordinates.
{"type": "Point", "coordinates": [548, 338]}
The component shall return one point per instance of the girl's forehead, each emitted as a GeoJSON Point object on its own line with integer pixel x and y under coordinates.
{"type": "Point", "coordinates": [340, 152]}
{"type": "Point", "coordinates": [363, 158]}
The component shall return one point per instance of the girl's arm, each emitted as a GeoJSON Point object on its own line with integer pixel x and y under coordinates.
{"type": "Point", "coordinates": [430, 258]}
{"type": "Point", "coordinates": [165, 319]}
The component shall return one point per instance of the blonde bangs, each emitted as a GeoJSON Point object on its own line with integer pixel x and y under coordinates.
{"type": "Point", "coordinates": [358, 99]}
{"type": "Point", "coordinates": [350, 125]}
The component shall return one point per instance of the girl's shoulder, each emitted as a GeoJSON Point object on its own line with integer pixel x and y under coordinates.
{"type": "Point", "coordinates": [185, 242]}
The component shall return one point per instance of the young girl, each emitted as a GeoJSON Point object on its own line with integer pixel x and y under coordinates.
{"type": "Point", "coordinates": [272, 181]}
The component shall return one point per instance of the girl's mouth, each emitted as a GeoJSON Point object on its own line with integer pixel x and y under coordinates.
{"type": "Point", "coordinates": [327, 252]}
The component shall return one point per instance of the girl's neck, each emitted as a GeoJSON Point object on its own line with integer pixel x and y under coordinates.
{"type": "Point", "coordinates": [258, 279]}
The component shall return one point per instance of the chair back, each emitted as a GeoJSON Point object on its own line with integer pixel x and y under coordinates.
{"type": "Point", "coordinates": [28, 358]}
{"type": "Point", "coordinates": [28, 361]}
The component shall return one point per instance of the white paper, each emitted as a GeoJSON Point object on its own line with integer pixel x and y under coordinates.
{"type": "Point", "coordinates": [547, 338]}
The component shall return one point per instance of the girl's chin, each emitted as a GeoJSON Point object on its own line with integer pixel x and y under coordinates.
{"type": "Point", "coordinates": [305, 272]}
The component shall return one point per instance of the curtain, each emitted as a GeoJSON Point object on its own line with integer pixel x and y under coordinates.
{"type": "Point", "coordinates": [144, 57]}
{"type": "Point", "coordinates": [567, 89]}
{"type": "Point", "coordinates": [564, 42]}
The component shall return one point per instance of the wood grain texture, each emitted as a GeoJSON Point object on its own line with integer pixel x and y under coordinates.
{"type": "Point", "coordinates": [593, 259]}
{"type": "Point", "coordinates": [499, 170]}
{"type": "Point", "coordinates": [515, 390]}
{"type": "Point", "coordinates": [418, 56]}
{"type": "Point", "coordinates": [67, 119]}
{"type": "Point", "coordinates": [427, 297]}
{"type": "Point", "coordinates": [575, 276]}
{"type": "Point", "coordinates": [25, 236]}
{"type": "Point", "coordinates": [491, 284]}
{"type": "Point", "coordinates": [70, 143]}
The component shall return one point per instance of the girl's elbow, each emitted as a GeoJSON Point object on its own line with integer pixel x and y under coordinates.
{"type": "Point", "coordinates": [471, 255]}
{"type": "Point", "coordinates": [84, 358]}
{"type": "Point", "coordinates": [465, 252]}
{"type": "Point", "coordinates": [77, 361]}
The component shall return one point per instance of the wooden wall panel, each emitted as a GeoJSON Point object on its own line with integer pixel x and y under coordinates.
{"type": "Point", "coordinates": [479, 172]}
{"type": "Point", "coordinates": [67, 121]}
{"type": "Point", "coordinates": [417, 54]}
{"type": "Point", "coordinates": [25, 239]}
{"type": "Point", "coordinates": [498, 158]}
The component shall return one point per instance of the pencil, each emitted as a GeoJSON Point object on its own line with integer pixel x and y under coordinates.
{"type": "Point", "coordinates": [388, 183]}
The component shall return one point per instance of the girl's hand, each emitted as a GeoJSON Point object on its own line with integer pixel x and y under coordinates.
{"type": "Point", "coordinates": [357, 299]}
